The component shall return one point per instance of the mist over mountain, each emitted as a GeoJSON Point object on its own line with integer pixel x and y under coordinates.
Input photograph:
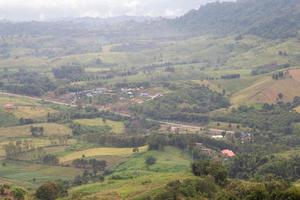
{"type": "Point", "coordinates": [266, 18]}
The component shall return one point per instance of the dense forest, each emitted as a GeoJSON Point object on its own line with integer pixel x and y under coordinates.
{"type": "Point", "coordinates": [187, 103]}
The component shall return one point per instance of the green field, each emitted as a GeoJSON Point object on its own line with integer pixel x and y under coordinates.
{"type": "Point", "coordinates": [117, 127]}
{"type": "Point", "coordinates": [32, 112]}
{"type": "Point", "coordinates": [99, 152]}
{"type": "Point", "coordinates": [24, 131]}
{"type": "Point", "coordinates": [31, 175]}
{"type": "Point", "coordinates": [5, 99]}
{"type": "Point", "coordinates": [133, 179]}
{"type": "Point", "coordinates": [7, 119]}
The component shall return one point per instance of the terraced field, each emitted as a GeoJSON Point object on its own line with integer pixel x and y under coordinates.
{"type": "Point", "coordinates": [100, 152]}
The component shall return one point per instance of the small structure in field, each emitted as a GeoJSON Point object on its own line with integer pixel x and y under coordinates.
{"type": "Point", "coordinates": [228, 153]}
{"type": "Point", "coordinates": [9, 107]}
{"type": "Point", "coordinates": [217, 137]}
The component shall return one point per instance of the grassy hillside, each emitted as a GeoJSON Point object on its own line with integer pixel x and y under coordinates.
{"type": "Point", "coordinates": [266, 89]}
{"type": "Point", "coordinates": [32, 112]}
{"type": "Point", "coordinates": [117, 127]}
{"type": "Point", "coordinates": [133, 179]}
{"type": "Point", "coordinates": [7, 119]}
{"type": "Point", "coordinates": [24, 131]}
{"type": "Point", "coordinates": [32, 175]}
{"type": "Point", "coordinates": [99, 152]}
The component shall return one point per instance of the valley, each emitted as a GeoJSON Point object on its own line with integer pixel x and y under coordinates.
{"type": "Point", "coordinates": [193, 109]}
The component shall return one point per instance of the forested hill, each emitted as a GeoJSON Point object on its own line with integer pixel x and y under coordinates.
{"type": "Point", "coordinates": [267, 18]}
{"type": "Point", "coordinates": [272, 19]}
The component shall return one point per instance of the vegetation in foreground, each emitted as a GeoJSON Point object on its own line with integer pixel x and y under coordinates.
{"type": "Point", "coordinates": [204, 111]}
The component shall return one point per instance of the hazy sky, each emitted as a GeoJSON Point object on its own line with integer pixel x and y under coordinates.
{"type": "Point", "coordinates": [54, 9]}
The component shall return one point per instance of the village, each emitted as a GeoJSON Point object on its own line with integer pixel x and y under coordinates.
{"type": "Point", "coordinates": [116, 99]}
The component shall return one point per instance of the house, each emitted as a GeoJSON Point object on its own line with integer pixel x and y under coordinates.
{"type": "Point", "coordinates": [219, 132]}
{"type": "Point", "coordinates": [217, 137]}
{"type": "Point", "coordinates": [228, 153]}
{"type": "Point", "coordinates": [246, 137]}
{"type": "Point", "coordinates": [144, 95]}
{"type": "Point", "coordinates": [9, 107]}
{"type": "Point", "coordinates": [174, 129]}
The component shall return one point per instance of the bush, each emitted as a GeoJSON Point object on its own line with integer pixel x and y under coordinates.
{"type": "Point", "coordinates": [49, 191]}
{"type": "Point", "coordinates": [150, 160]}
{"type": "Point", "coordinates": [215, 169]}
{"type": "Point", "coordinates": [18, 193]}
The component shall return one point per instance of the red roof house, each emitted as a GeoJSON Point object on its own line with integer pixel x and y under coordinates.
{"type": "Point", "coordinates": [228, 153]}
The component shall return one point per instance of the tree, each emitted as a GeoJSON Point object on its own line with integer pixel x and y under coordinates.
{"type": "Point", "coordinates": [49, 191]}
{"type": "Point", "coordinates": [280, 96]}
{"type": "Point", "coordinates": [97, 165]}
{"type": "Point", "coordinates": [200, 168]}
{"type": "Point", "coordinates": [50, 160]}
{"type": "Point", "coordinates": [37, 131]}
{"type": "Point", "coordinates": [135, 150]}
{"type": "Point", "coordinates": [98, 61]}
{"type": "Point", "coordinates": [223, 133]}
{"type": "Point", "coordinates": [157, 142]}
{"type": "Point", "coordinates": [2, 190]}
{"type": "Point", "coordinates": [218, 171]}
{"type": "Point", "coordinates": [215, 169]}
{"type": "Point", "coordinates": [18, 193]}
{"type": "Point", "coordinates": [150, 160]}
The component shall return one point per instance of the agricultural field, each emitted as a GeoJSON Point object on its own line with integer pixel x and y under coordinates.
{"type": "Point", "coordinates": [23, 107]}
{"type": "Point", "coordinates": [266, 89]}
{"type": "Point", "coordinates": [32, 111]}
{"type": "Point", "coordinates": [7, 119]}
{"type": "Point", "coordinates": [36, 143]}
{"type": "Point", "coordinates": [99, 152]}
{"type": "Point", "coordinates": [50, 129]}
{"type": "Point", "coordinates": [132, 179]}
{"type": "Point", "coordinates": [6, 99]}
{"type": "Point", "coordinates": [117, 127]}
{"type": "Point", "coordinates": [31, 176]}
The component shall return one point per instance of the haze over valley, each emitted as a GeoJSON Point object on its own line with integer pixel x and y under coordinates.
{"type": "Point", "coordinates": [150, 100]}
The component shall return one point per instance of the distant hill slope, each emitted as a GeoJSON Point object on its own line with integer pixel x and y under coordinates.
{"type": "Point", "coordinates": [266, 90]}
{"type": "Point", "coordinates": [266, 18]}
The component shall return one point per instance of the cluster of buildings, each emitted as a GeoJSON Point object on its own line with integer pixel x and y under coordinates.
{"type": "Point", "coordinates": [94, 92]}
